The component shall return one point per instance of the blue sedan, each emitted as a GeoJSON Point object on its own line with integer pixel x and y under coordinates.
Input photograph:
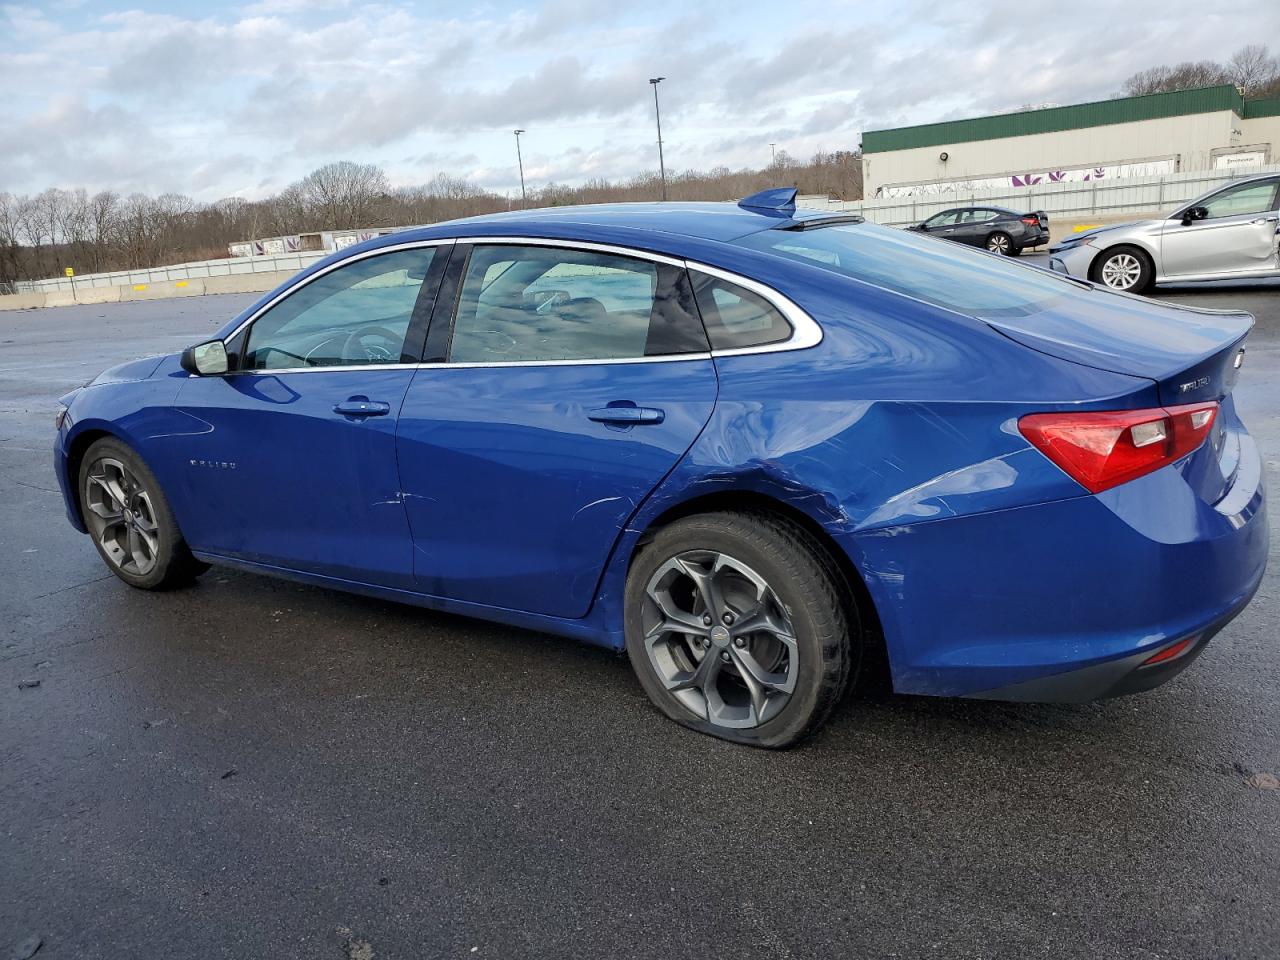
{"type": "Point", "coordinates": [743, 443]}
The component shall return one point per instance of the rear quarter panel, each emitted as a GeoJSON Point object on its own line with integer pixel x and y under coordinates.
{"type": "Point", "coordinates": [904, 414]}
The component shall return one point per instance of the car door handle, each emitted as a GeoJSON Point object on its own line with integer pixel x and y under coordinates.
{"type": "Point", "coordinates": [1265, 220]}
{"type": "Point", "coordinates": [627, 416]}
{"type": "Point", "coordinates": [362, 407]}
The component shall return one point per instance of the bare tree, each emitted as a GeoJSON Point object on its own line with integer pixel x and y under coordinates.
{"type": "Point", "coordinates": [1183, 76]}
{"type": "Point", "coordinates": [49, 205]}
{"type": "Point", "coordinates": [10, 240]}
{"type": "Point", "coordinates": [104, 213]}
{"type": "Point", "coordinates": [344, 195]}
{"type": "Point", "coordinates": [1253, 69]}
{"type": "Point", "coordinates": [32, 230]}
{"type": "Point", "coordinates": [74, 226]}
{"type": "Point", "coordinates": [287, 211]}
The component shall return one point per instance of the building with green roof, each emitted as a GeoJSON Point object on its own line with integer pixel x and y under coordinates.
{"type": "Point", "coordinates": [1210, 128]}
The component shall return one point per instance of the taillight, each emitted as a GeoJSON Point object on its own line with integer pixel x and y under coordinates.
{"type": "Point", "coordinates": [1102, 449]}
{"type": "Point", "coordinates": [1031, 221]}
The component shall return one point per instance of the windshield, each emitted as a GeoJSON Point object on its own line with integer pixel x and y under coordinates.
{"type": "Point", "coordinates": [929, 269]}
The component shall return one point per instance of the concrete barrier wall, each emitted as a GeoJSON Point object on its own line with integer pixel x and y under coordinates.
{"type": "Point", "coordinates": [163, 290]}
{"type": "Point", "coordinates": [22, 301]}
{"type": "Point", "coordinates": [246, 282]}
{"type": "Point", "coordinates": [160, 290]}
{"type": "Point", "coordinates": [63, 298]}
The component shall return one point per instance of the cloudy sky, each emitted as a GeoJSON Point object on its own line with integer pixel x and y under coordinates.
{"type": "Point", "coordinates": [220, 99]}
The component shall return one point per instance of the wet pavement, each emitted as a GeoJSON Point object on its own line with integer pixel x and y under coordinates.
{"type": "Point", "coordinates": [252, 768]}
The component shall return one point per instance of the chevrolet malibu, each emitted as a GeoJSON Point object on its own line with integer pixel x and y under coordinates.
{"type": "Point", "coordinates": [743, 443]}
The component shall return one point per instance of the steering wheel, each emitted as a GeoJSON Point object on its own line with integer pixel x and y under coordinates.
{"type": "Point", "coordinates": [356, 350]}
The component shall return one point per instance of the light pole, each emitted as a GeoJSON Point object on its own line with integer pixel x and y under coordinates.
{"type": "Point", "coordinates": [662, 166]}
{"type": "Point", "coordinates": [524, 200]}
{"type": "Point", "coordinates": [773, 153]}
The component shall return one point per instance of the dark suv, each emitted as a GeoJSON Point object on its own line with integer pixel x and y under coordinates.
{"type": "Point", "coordinates": [993, 228]}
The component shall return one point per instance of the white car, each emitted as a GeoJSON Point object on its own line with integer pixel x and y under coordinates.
{"type": "Point", "coordinates": [1230, 233]}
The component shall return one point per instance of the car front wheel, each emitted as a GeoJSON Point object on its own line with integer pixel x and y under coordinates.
{"type": "Point", "coordinates": [130, 521]}
{"type": "Point", "coordinates": [737, 625]}
{"type": "Point", "coordinates": [1126, 269]}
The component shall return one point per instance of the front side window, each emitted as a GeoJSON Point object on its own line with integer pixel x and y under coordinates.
{"type": "Point", "coordinates": [1242, 199]}
{"type": "Point", "coordinates": [356, 315]}
{"type": "Point", "coordinates": [944, 219]}
{"type": "Point", "coordinates": [522, 304]}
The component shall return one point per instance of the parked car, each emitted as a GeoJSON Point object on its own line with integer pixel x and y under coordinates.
{"type": "Point", "coordinates": [992, 228]}
{"type": "Point", "coordinates": [1232, 232]}
{"type": "Point", "coordinates": [743, 443]}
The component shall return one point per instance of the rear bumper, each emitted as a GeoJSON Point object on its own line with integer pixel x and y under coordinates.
{"type": "Point", "coordinates": [1115, 678]}
{"type": "Point", "coordinates": [1066, 600]}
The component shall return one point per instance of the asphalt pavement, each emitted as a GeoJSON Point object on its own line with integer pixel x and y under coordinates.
{"type": "Point", "coordinates": [253, 768]}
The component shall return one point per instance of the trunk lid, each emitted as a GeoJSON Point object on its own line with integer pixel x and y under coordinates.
{"type": "Point", "coordinates": [1191, 353]}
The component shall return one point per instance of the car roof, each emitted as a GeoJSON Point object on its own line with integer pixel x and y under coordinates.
{"type": "Point", "coordinates": [978, 206]}
{"type": "Point", "coordinates": [662, 222]}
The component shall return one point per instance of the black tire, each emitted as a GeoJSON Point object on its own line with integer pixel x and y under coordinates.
{"type": "Point", "coordinates": [1001, 243]}
{"type": "Point", "coordinates": [810, 592]}
{"type": "Point", "coordinates": [1145, 277]}
{"type": "Point", "coordinates": [170, 561]}
{"type": "Point", "coordinates": [1015, 251]}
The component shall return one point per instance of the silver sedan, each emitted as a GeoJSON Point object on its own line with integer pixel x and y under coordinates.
{"type": "Point", "coordinates": [1230, 233]}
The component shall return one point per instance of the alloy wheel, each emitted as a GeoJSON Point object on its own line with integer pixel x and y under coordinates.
{"type": "Point", "coordinates": [719, 639]}
{"type": "Point", "coordinates": [998, 244]}
{"type": "Point", "coordinates": [1121, 271]}
{"type": "Point", "coordinates": [121, 517]}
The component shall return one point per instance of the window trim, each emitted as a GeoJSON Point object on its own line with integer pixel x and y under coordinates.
{"type": "Point", "coordinates": [805, 331]}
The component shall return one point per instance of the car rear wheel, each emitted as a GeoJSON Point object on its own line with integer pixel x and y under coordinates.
{"type": "Point", "coordinates": [130, 521]}
{"type": "Point", "coordinates": [1126, 269]}
{"type": "Point", "coordinates": [1002, 244]}
{"type": "Point", "coordinates": [738, 625]}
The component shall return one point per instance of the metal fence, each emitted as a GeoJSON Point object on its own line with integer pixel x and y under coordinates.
{"type": "Point", "coordinates": [1083, 200]}
{"type": "Point", "coordinates": [292, 262]}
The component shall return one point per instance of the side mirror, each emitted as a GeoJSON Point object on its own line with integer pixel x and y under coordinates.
{"type": "Point", "coordinates": [205, 359]}
{"type": "Point", "coordinates": [1194, 213]}
{"type": "Point", "coordinates": [924, 227]}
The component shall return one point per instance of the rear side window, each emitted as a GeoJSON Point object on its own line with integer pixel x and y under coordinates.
{"type": "Point", "coordinates": [523, 304]}
{"type": "Point", "coordinates": [736, 317]}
